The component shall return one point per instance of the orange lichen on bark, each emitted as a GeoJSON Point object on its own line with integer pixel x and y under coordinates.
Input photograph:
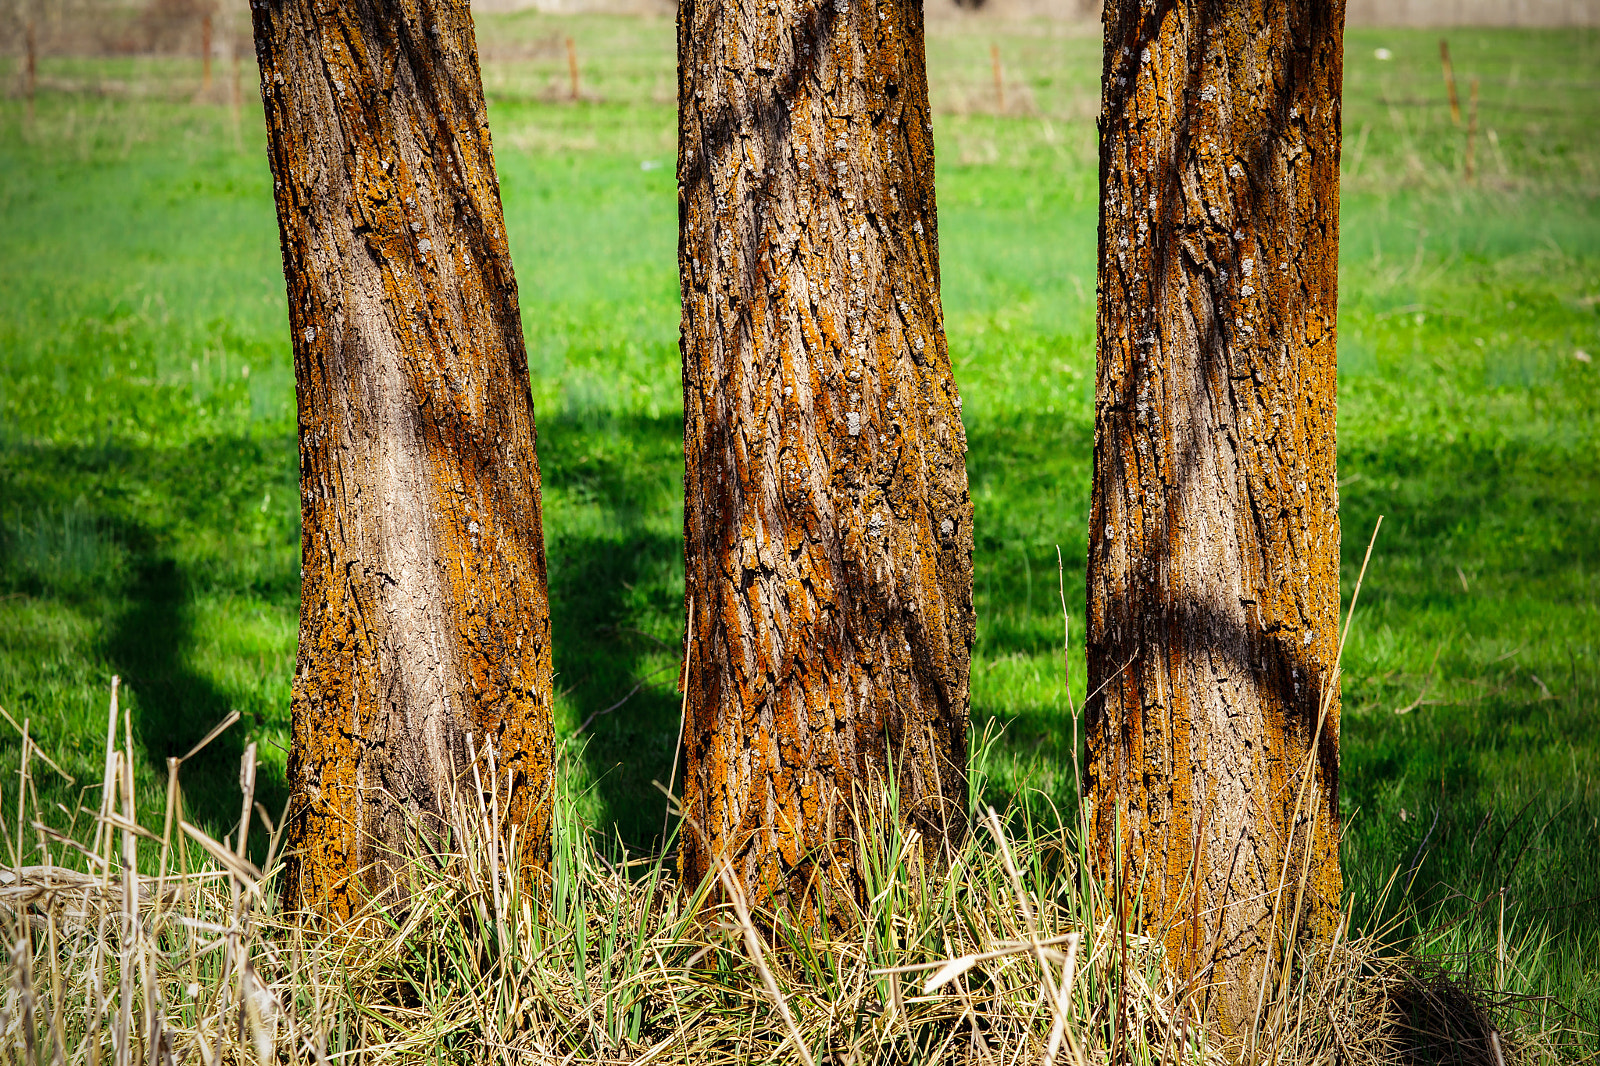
{"type": "Point", "coordinates": [424, 620]}
{"type": "Point", "coordinates": [1214, 530]}
{"type": "Point", "coordinates": [827, 527]}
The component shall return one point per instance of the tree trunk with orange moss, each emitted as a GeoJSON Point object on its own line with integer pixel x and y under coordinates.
{"type": "Point", "coordinates": [424, 620]}
{"type": "Point", "coordinates": [827, 529]}
{"type": "Point", "coordinates": [1214, 527]}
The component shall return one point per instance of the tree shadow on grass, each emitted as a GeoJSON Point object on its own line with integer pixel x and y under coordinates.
{"type": "Point", "coordinates": [1029, 478]}
{"type": "Point", "coordinates": [1519, 520]}
{"type": "Point", "coordinates": [614, 497]}
{"type": "Point", "coordinates": [174, 707]}
{"type": "Point", "coordinates": [613, 487]}
{"type": "Point", "coordinates": [142, 599]}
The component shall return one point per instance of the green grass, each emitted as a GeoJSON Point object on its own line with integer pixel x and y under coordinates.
{"type": "Point", "coordinates": [148, 524]}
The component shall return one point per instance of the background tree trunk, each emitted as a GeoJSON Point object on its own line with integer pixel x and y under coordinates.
{"type": "Point", "coordinates": [1214, 528]}
{"type": "Point", "coordinates": [828, 529]}
{"type": "Point", "coordinates": [424, 616]}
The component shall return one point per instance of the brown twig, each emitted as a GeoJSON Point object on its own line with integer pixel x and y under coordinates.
{"type": "Point", "coordinates": [587, 722]}
{"type": "Point", "coordinates": [48, 761]}
{"type": "Point", "coordinates": [752, 943]}
{"type": "Point", "coordinates": [1306, 775]}
{"type": "Point", "coordinates": [683, 714]}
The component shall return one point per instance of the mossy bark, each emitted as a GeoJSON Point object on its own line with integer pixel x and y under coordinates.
{"type": "Point", "coordinates": [1214, 530]}
{"type": "Point", "coordinates": [827, 526]}
{"type": "Point", "coordinates": [424, 618]}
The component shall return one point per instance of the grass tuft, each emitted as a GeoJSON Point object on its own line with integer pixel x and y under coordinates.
{"type": "Point", "coordinates": [1010, 954]}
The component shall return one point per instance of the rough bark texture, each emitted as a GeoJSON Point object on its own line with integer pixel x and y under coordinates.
{"type": "Point", "coordinates": [828, 529]}
{"type": "Point", "coordinates": [1214, 527]}
{"type": "Point", "coordinates": [423, 608]}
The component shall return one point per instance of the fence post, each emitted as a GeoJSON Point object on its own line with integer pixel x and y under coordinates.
{"type": "Point", "coordinates": [32, 69]}
{"type": "Point", "coordinates": [205, 52]}
{"type": "Point", "coordinates": [1450, 80]}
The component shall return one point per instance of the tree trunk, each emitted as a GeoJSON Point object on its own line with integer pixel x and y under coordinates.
{"type": "Point", "coordinates": [424, 617]}
{"type": "Point", "coordinates": [1214, 528]}
{"type": "Point", "coordinates": [828, 529]}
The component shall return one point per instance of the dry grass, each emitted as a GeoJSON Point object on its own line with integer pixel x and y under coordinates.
{"type": "Point", "coordinates": [1008, 956]}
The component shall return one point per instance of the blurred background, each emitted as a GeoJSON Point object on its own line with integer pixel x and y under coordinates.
{"type": "Point", "coordinates": [148, 481]}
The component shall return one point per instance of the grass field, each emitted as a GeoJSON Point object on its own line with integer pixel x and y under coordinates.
{"type": "Point", "coordinates": [148, 518]}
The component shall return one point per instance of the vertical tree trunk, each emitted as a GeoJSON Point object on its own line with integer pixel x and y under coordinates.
{"type": "Point", "coordinates": [424, 618]}
{"type": "Point", "coordinates": [1214, 528]}
{"type": "Point", "coordinates": [828, 529]}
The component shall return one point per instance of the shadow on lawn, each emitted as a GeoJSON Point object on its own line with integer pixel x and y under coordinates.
{"type": "Point", "coordinates": [614, 486]}
{"type": "Point", "coordinates": [120, 577]}
{"type": "Point", "coordinates": [175, 707]}
{"type": "Point", "coordinates": [615, 549]}
{"type": "Point", "coordinates": [1029, 478]}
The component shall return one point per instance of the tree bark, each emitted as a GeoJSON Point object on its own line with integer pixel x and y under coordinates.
{"type": "Point", "coordinates": [424, 616]}
{"type": "Point", "coordinates": [1214, 531]}
{"type": "Point", "coordinates": [828, 528]}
